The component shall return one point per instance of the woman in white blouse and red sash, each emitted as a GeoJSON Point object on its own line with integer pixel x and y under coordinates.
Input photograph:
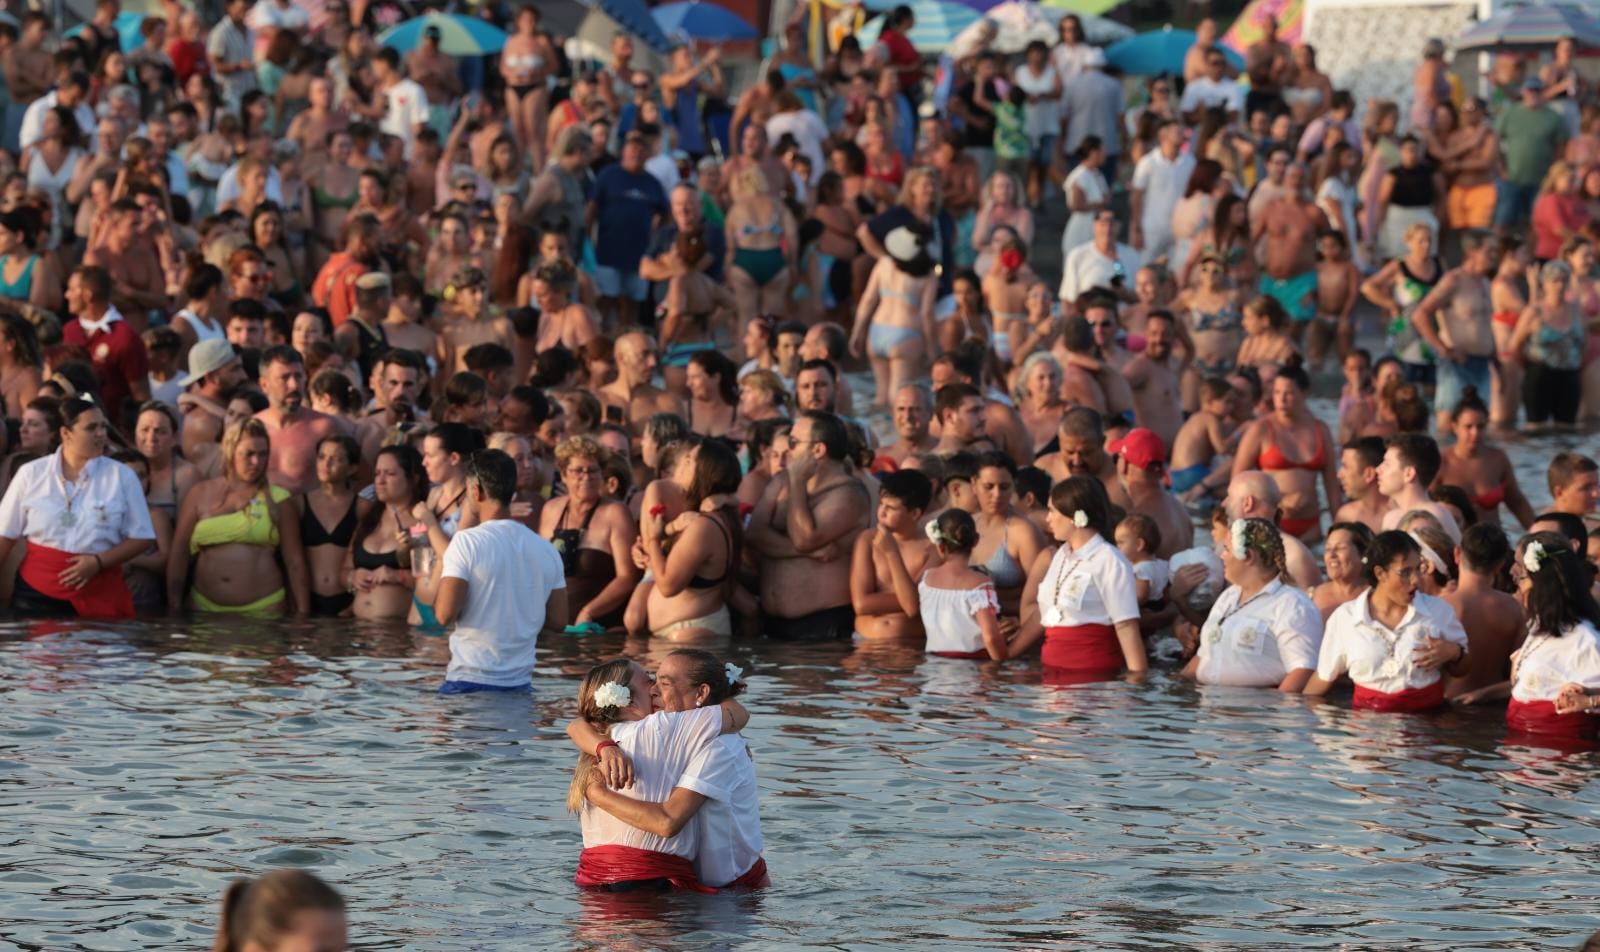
{"type": "Point", "coordinates": [1555, 675]}
{"type": "Point", "coordinates": [1088, 602]}
{"type": "Point", "coordinates": [83, 515]}
{"type": "Point", "coordinates": [1393, 641]}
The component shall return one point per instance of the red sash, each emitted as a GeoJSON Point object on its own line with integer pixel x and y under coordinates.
{"type": "Point", "coordinates": [971, 655]}
{"type": "Point", "coordinates": [1409, 701]}
{"type": "Point", "coordinates": [105, 596]}
{"type": "Point", "coordinates": [754, 878]}
{"type": "Point", "coordinates": [604, 865]}
{"type": "Point", "coordinates": [1082, 648]}
{"type": "Point", "coordinates": [1540, 717]}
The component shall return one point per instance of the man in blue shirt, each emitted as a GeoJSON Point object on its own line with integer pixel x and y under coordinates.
{"type": "Point", "coordinates": [627, 203]}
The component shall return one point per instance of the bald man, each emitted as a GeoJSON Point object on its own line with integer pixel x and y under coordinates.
{"type": "Point", "coordinates": [632, 398]}
{"type": "Point", "coordinates": [1254, 495]}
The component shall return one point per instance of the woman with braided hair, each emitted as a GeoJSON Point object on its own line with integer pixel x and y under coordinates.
{"type": "Point", "coordinates": [1395, 642]}
{"type": "Point", "coordinates": [1555, 675]}
{"type": "Point", "coordinates": [1262, 631]}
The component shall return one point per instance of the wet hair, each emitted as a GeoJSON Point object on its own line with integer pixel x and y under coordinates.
{"type": "Point", "coordinates": [616, 671]}
{"type": "Point", "coordinates": [1035, 482]}
{"type": "Point", "coordinates": [1571, 526]}
{"type": "Point", "coordinates": [495, 474]}
{"type": "Point", "coordinates": [706, 668]}
{"type": "Point", "coordinates": [1484, 548]}
{"type": "Point", "coordinates": [1144, 529]}
{"type": "Point", "coordinates": [1086, 494]}
{"type": "Point", "coordinates": [1386, 548]}
{"type": "Point", "coordinates": [911, 487]}
{"type": "Point", "coordinates": [1418, 452]}
{"type": "Point", "coordinates": [262, 911]}
{"type": "Point", "coordinates": [458, 438]}
{"type": "Point", "coordinates": [951, 396]}
{"type": "Point", "coordinates": [352, 449]}
{"type": "Point", "coordinates": [1457, 497]}
{"type": "Point", "coordinates": [1368, 449]}
{"type": "Point", "coordinates": [1566, 467]}
{"type": "Point", "coordinates": [957, 531]}
{"type": "Point", "coordinates": [1559, 596]}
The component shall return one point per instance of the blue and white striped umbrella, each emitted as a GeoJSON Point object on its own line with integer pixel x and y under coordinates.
{"type": "Point", "coordinates": [938, 22]}
{"type": "Point", "coordinates": [458, 35]}
{"type": "Point", "coordinates": [1530, 28]}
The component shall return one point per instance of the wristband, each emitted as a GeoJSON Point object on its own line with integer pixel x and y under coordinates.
{"type": "Point", "coordinates": [99, 565]}
{"type": "Point", "coordinates": [600, 747]}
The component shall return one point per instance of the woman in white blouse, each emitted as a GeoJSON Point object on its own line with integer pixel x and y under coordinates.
{"type": "Point", "coordinates": [1261, 632]}
{"type": "Point", "coordinates": [1088, 603]}
{"type": "Point", "coordinates": [1555, 675]}
{"type": "Point", "coordinates": [1394, 640]}
{"type": "Point", "coordinates": [83, 516]}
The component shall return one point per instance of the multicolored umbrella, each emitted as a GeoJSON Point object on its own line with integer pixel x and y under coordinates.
{"type": "Point", "coordinates": [1157, 52]}
{"type": "Point", "coordinates": [938, 23]}
{"type": "Point", "coordinates": [1093, 8]}
{"type": "Point", "coordinates": [458, 35]}
{"type": "Point", "coordinates": [1250, 26]}
{"type": "Point", "coordinates": [1531, 28]}
{"type": "Point", "coordinates": [703, 21]}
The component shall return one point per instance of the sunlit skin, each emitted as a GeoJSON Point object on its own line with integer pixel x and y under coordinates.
{"type": "Point", "coordinates": [33, 436]}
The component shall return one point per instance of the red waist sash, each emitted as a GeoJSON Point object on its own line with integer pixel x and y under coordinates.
{"type": "Point", "coordinates": [754, 878]}
{"type": "Point", "coordinates": [1540, 717]}
{"type": "Point", "coordinates": [604, 865]}
{"type": "Point", "coordinates": [105, 596]}
{"type": "Point", "coordinates": [1082, 648]}
{"type": "Point", "coordinates": [1409, 701]}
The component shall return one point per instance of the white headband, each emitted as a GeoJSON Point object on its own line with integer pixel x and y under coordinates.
{"type": "Point", "coordinates": [1432, 556]}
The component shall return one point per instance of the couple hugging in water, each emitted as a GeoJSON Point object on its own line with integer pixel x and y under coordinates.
{"type": "Point", "coordinates": [665, 786]}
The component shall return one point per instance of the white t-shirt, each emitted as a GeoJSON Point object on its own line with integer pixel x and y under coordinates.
{"type": "Point", "coordinates": [950, 616]}
{"type": "Point", "coordinates": [809, 132]}
{"type": "Point", "coordinates": [1162, 180]}
{"type": "Point", "coordinates": [1155, 572]}
{"type": "Point", "coordinates": [1380, 659]}
{"type": "Point", "coordinates": [729, 822]}
{"type": "Point", "coordinates": [107, 506]}
{"type": "Point", "coordinates": [1205, 93]}
{"type": "Point", "coordinates": [661, 747]}
{"type": "Point", "coordinates": [408, 108]}
{"type": "Point", "coordinates": [1543, 664]}
{"type": "Point", "coordinates": [1086, 268]}
{"type": "Point", "coordinates": [510, 572]}
{"type": "Point", "coordinates": [1042, 118]}
{"type": "Point", "coordinates": [1092, 586]}
{"type": "Point", "coordinates": [1258, 643]}
{"type": "Point", "coordinates": [267, 15]}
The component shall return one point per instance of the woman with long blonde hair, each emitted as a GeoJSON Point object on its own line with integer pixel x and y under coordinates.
{"type": "Point", "coordinates": [762, 240]}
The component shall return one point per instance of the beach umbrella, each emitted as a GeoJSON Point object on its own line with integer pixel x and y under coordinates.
{"type": "Point", "coordinates": [1250, 26]}
{"type": "Point", "coordinates": [1159, 51]}
{"type": "Point", "coordinates": [1093, 8]}
{"type": "Point", "coordinates": [458, 35]}
{"type": "Point", "coordinates": [938, 23]}
{"type": "Point", "coordinates": [1018, 22]}
{"type": "Point", "coordinates": [127, 27]}
{"type": "Point", "coordinates": [1532, 28]}
{"type": "Point", "coordinates": [702, 21]}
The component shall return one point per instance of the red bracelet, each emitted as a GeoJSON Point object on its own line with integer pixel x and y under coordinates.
{"type": "Point", "coordinates": [600, 747]}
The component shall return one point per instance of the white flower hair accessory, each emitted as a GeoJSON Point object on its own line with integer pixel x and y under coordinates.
{"type": "Point", "coordinates": [612, 694]}
{"type": "Point", "coordinates": [1238, 533]}
{"type": "Point", "coordinates": [933, 533]}
{"type": "Point", "coordinates": [734, 672]}
{"type": "Point", "coordinates": [1080, 519]}
{"type": "Point", "coordinates": [1533, 557]}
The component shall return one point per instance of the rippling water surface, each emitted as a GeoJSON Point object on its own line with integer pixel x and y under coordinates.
{"type": "Point", "coordinates": [906, 801]}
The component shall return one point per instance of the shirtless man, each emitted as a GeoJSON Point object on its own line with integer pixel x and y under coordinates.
{"type": "Point", "coordinates": [1456, 320]}
{"type": "Point", "coordinates": [753, 150]}
{"type": "Point", "coordinates": [1410, 462]}
{"type": "Point", "coordinates": [959, 408]}
{"type": "Point", "coordinates": [403, 326]}
{"type": "Point", "coordinates": [1271, 188]}
{"type": "Point", "coordinates": [295, 429]}
{"type": "Point", "coordinates": [913, 409]}
{"type": "Point", "coordinates": [816, 386]}
{"type": "Point", "coordinates": [755, 104]}
{"type": "Point", "coordinates": [1254, 495]}
{"type": "Point", "coordinates": [1492, 618]}
{"type": "Point", "coordinates": [1153, 378]}
{"type": "Point", "coordinates": [1470, 159]}
{"type": "Point", "coordinates": [1079, 386]}
{"type": "Point", "coordinates": [1358, 479]}
{"type": "Point", "coordinates": [886, 561]}
{"type": "Point", "coordinates": [1338, 286]}
{"type": "Point", "coordinates": [1289, 227]}
{"type": "Point", "coordinates": [125, 244]}
{"type": "Point", "coordinates": [312, 127]}
{"type": "Point", "coordinates": [214, 375]}
{"type": "Point", "coordinates": [394, 399]}
{"type": "Point", "coordinates": [467, 330]}
{"type": "Point", "coordinates": [1082, 438]}
{"type": "Point", "coordinates": [564, 320]}
{"type": "Point", "coordinates": [1142, 466]}
{"type": "Point", "coordinates": [806, 521]}
{"type": "Point", "coordinates": [831, 342]}
{"type": "Point", "coordinates": [1001, 422]}
{"type": "Point", "coordinates": [632, 398]}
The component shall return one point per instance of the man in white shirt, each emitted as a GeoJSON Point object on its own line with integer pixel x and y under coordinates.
{"type": "Point", "coordinates": [1213, 90]}
{"type": "Point", "coordinates": [500, 583]}
{"type": "Point", "coordinates": [1159, 181]}
{"type": "Point", "coordinates": [1102, 263]}
{"type": "Point", "coordinates": [407, 102]}
{"type": "Point", "coordinates": [231, 49]}
{"type": "Point", "coordinates": [73, 93]}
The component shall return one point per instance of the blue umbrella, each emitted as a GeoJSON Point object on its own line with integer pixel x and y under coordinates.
{"type": "Point", "coordinates": [127, 27]}
{"type": "Point", "coordinates": [938, 22]}
{"type": "Point", "coordinates": [1160, 51]}
{"type": "Point", "coordinates": [699, 20]}
{"type": "Point", "coordinates": [458, 35]}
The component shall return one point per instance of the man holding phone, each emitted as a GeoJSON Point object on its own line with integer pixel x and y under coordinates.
{"type": "Point", "coordinates": [1103, 263]}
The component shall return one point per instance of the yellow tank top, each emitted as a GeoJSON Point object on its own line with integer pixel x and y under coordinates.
{"type": "Point", "coordinates": [251, 525]}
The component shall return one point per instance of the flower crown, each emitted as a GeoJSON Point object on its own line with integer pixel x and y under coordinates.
{"type": "Point", "coordinates": [612, 694]}
{"type": "Point", "coordinates": [1534, 556]}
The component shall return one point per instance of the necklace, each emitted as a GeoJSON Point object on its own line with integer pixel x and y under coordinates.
{"type": "Point", "coordinates": [70, 518]}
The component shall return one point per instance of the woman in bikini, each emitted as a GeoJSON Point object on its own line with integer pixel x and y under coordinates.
{"type": "Point", "coordinates": [27, 278]}
{"type": "Point", "coordinates": [1210, 310]}
{"type": "Point", "coordinates": [693, 556]}
{"type": "Point", "coordinates": [155, 434]}
{"type": "Point", "coordinates": [1291, 428]}
{"type": "Point", "coordinates": [762, 240]}
{"type": "Point", "coordinates": [1507, 300]}
{"type": "Point", "coordinates": [333, 503]}
{"type": "Point", "coordinates": [379, 564]}
{"type": "Point", "coordinates": [1000, 208]}
{"type": "Point", "coordinates": [237, 528]}
{"type": "Point", "coordinates": [1267, 341]}
{"type": "Point", "coordinates": [713, 395]}
{"type": "Point", "coordinates": [525, 63]}
{"type": "Point", "coordinates": [1038, 396]}
{"type": "Point", "coordinates": [593, 534]}
{"type": "Point", "coordinates": [444, 457]}
{"type": "Point", "coordinates": [1483, 470]}
{"type": "Point", "coordinates": [335, 191]}
{"type": "Point", "coordinates": [894, 324]}
{"type": "Point", "coordinates": [1008, 543]}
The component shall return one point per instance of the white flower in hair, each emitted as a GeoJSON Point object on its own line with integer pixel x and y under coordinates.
{"type": "Point", "coordinates": [933, 533]}
{"type": "Point", "coordinates": [1533, 556]}
{"type": "Point", "coordinates": [612, 694]}
{"type": "Point", "coordinates": [1080, 519]}
{"type": "Point", "coordinates": [1240, 538]}
{"type": "Point", "coordinates": [734, 672]}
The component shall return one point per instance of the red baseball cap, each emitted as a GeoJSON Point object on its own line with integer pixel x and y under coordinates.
{"type": "Point", "coordinates": [1141, 448]}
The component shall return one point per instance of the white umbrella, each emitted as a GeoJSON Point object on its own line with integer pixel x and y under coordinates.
{"type": "Point", "coordinates": [1017, 23]}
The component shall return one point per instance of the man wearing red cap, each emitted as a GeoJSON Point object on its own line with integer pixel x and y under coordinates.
{"type": "Point", "coordinates": [1142, 467]}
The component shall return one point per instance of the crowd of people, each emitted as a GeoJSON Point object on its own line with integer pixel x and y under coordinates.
{"type": "Point", "coordinates": [521, 347]}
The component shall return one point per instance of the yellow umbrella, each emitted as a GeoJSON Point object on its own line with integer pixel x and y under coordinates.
{"type": "Point", "coordinates": [1092, 8]}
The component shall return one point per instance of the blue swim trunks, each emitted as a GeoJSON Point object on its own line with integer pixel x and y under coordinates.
{"type": "Point", "coordinates": [473, 687]}
{"type": "Point", "coordinates": [1189, 477]}
{"type": "Point", "coordinates": [1296, 294]}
